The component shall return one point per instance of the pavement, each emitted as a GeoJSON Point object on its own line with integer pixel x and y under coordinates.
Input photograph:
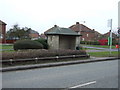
{"type": "Point", "coordinates": [24, 67]}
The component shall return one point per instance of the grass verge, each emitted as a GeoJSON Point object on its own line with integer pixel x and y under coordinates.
{"type": "Point", "coordinates": [104, 54]}
{"type": "Point", "coordinates": [7, 46]}
{"type": "Point", "coordinates": [100, 46]}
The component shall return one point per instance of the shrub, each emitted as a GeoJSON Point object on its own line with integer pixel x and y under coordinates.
{"type": "Point", "coordinates": [27, 44]}
{"type": "Point", "coordinates": [90, 42]}
{"type": "Point", "coordinates": [95, 43]}
{"type": "Point", "coordinates": [43, 42]}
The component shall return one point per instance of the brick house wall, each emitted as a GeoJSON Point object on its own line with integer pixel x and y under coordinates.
{"type": "Point", "coordinates": [34, 35]}
{"type": "Point", "coordinates": [2, 32]}
{"type": "Point", "coordinates": [87, 36]}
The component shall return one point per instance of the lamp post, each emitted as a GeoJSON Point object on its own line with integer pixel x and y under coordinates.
{"type": "Point", "coordinates": [80, 28]}
{"type": "Point", "coordinates": [79, 32]}
{"type": "Point", "coordinates": [110, 37]}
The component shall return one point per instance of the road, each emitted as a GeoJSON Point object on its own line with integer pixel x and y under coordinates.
{"type": "Point", "coordinates": [90, 75]}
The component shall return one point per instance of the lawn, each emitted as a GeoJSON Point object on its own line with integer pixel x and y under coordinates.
{"type": "Point", "coordinates": [101, 46]}
{"type": "Point", "coordinates": [6, 48]}
{"type": "Point", "coordinates": [104, 54]}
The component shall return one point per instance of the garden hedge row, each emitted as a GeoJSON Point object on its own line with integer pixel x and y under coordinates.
{"type": "Point", "coordinates": [22, 54]}
{"type": "Point", "coordinates": [90, 42]}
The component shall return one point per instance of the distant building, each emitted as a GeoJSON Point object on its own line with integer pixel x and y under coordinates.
{"type": "Point", "coordinates": [87, 33]}
{"type": "Point", "coordinates": [33, 34]}
{"type": "Point", "coordinates": [2, 32]}
{"type": "Point", "coordinates": [43, 36]}
{"type": "Point", "coordinates": [62, 38]}
{"type": "Point", "coordinates": [106, 35]}
{"type": "Point", "coordinates": [104, 38]}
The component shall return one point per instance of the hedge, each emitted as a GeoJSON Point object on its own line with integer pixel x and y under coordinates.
{"type": "Point", "coordinates": [43, 42]}
{"type": "Point", "coordinates": [22, 54]}
{"type": "Point", "coordinates": [90, 42]}
{"type": "Point", "coordinates": [27, 44]}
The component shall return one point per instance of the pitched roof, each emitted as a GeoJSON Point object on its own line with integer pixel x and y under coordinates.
{"type": "Point", "coordinates": [33, 32]}
{"type": "Point", "coordinates": [2, 22]}
{"type": "Point", "coordinates": [80, 27]}
{"type": "Point", "coordinates": [108, 34]}
{"type": "Point", "coordinates": [61, 31]}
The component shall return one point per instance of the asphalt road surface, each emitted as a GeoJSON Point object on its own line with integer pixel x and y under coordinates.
{"type": "Point", "coordinates": [90, 75]}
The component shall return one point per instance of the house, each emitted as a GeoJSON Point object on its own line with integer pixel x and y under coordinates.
{"type": "Point", "coordinates": [106, 35]}
{"type": "Point", "coordinates": [2, 32]}
{"type": "Point", "coordinates": [87, 33]}
{"type": "Point", "coordinates": [114, 37]}
{"type": "Point", "coordinates": [43, 36]}
{"type": "Point", "coordinates": [33, 34]}
{"type": "Point", "coordinates": [62, 38]}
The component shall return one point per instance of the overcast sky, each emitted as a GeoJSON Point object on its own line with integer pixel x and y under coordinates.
{"type": "Point", "coordinates": [41, 15]}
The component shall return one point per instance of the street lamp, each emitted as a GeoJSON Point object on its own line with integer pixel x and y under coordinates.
{"type": "Point", "coordinates": [81, 25]}
{"type": "Point", "coordinates": [80, 29]}
{"type": "Point", "coordinates": [110, 37]}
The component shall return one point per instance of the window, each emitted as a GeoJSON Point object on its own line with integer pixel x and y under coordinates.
{"type": "Point", "coordinates": [83, 39]}
{"type": "Point", "coordinates": [1, 36]}
{"type": "Point", "coordinates": [87, 35]}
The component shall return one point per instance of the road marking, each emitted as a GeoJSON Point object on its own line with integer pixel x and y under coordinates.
{"type": "Point", "coordinates": [81, 85]}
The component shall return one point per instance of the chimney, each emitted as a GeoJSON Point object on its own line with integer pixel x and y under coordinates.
{"type": "Point", "coordinates": [77, 23]}
{"type": "Point", "coordinates": [55, 25]}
